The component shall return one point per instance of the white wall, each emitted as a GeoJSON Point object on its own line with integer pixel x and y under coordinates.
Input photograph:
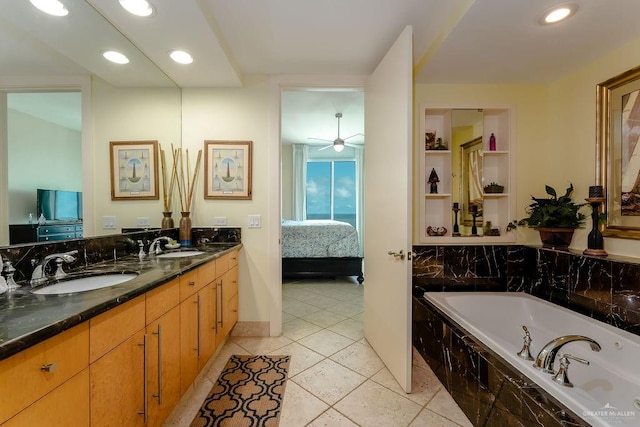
{"type": "Point", "coordinates": [43, 155]}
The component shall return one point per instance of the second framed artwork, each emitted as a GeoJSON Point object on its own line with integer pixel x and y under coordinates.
{"type": "Point", "coordinates": [227, 170]}
{"type": "Point", "coordinates": [134, 170]}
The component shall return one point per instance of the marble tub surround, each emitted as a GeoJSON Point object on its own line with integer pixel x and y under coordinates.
{"type": "Point", "coordinates": [606, 289]}
{"type": "Point", "coordinates": [26, 318]}
{"type": "Point", "coordinates": [488, 390]}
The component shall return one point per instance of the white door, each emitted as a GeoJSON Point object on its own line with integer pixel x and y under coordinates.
{"type": "Point", "coordinates": [387, 224]}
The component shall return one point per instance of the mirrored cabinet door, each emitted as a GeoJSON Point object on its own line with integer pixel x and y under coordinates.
{"type": "Point", "coordinates": [464, 176]}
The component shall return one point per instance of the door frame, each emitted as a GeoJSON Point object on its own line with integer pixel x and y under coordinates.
{"type": "Point", "coordinates": [274, 205]}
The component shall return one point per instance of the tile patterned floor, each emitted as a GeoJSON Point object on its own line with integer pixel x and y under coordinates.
{"type": "Point", "coordinates": [335, 377]}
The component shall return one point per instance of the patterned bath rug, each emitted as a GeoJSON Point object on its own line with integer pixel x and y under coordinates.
{"type": "Point", "coordinates": [248, 393]}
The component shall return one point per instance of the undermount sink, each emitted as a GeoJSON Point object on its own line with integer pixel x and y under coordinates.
{"type": "Point", "coordinates": [179, 254]}
{"type": "Point", "coordinates": [85, 284]}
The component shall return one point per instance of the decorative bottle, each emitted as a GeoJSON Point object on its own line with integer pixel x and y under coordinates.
{"type": "Point", "coordinates": [184, 230]}
{"type": "Point", "coordinates": [492, 143]}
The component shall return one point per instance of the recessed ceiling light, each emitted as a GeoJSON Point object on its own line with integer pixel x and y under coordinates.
{"type": "Point", "coordinates": [52, 7]}
{"type": "Point", "coordinates": [137, 7]}
{"type": "Point", "coordinates": [559, 13]}
{"type": "Point", "coordinates": [181, 57]}
{"type": "Point", "coordinates": [116, 57]}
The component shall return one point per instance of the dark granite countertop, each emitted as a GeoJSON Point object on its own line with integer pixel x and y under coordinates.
{"type": "Point", "coordinates": [27, 319]}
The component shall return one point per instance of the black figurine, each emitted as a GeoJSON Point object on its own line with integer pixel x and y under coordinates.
{"type": "Point", "coordinates": [433, 182]}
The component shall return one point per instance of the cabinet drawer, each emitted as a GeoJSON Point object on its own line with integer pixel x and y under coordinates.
{"type": "Point", "coordinates": [222, 264]}
{"type": "Point", "coordinates": [57, 229]}
{"type": "Point", "coordinates": [207, 273]}
{"type": "Point", "coordinates": [162, 299]}
{"type": "Point", "coordinates": [189, 284]}
{"type": "Point", "coordinates": [114, 326]}
{"type": "Point", "coordinates": [67, 405]}
{"type": "Point", "coordinates": [22, 376]}
{"type": "Point", "coordinates": [233, 258]}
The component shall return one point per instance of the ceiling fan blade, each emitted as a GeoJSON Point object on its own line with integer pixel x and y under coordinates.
{"type": "Point", "coordinates": [324, 148]}
{"type": "Point", "coordinates": [354, 135]}
{"type": "Point", "coordinates": [349, 144]}
{"type": "Point", "coordinates": [320, 139]}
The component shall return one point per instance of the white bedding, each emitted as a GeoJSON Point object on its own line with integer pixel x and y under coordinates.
{"type": "Point", "coordinates": [319, 239]}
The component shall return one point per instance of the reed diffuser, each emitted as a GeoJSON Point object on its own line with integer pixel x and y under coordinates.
{"type": "Point", "coordinates": [185, 182]}
{"type": "Point", "coordinates": [167, 194]}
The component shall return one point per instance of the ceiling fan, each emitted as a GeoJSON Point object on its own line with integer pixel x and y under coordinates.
{"type": "Point", "coordinates": [338, 144]}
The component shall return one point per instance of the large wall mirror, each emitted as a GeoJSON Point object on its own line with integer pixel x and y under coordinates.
{"type": "Point", "coordinates": [48, 142]}
{"type": "Point", "coordinates": [467, 165]}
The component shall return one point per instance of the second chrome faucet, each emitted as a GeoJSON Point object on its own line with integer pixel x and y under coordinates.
{"type": "Point", "coordinates": [547, 356]}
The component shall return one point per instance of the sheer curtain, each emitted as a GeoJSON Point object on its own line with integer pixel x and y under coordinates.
{"type": "Point", "coordinates": [359, 154]}
{"type": "Point", "coordinates": [299, 181]}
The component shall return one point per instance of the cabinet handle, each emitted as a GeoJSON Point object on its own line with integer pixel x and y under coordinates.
{"type": "Point", "coordinates": [192, 283]}
{"type": "Point", "coordinates": [220, 311]}
{"type": "Point", "coordinates": [197, 349]}
{"type": "Point", "coordinates": [215, 309]}
{"type": "Point", "coordinates": [158, 395]}
{"type": "Point", "coordinates": [145, 374]}
{"type": "Point", "coordinates": [49, 367]}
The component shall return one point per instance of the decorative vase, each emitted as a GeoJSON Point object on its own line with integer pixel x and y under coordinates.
{"type": "Point", "coordinates": [167, 220]}
{"type": "Point", "coordinates": [558, 238]}
{"type": "Point", "coordinates": [184, 232]}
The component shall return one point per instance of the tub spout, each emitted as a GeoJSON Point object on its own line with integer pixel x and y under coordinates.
{"type": "Point", "coordinates": [547, 355]}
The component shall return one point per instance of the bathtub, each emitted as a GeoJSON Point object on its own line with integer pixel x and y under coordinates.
{"type": "Point", "coordinates": [605, 393]}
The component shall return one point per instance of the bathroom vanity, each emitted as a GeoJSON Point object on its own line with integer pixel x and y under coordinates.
{"type": "Point", "coordinates": [123, 354]}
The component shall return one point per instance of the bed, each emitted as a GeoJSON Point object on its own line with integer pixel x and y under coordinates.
{"type": "Point", "coordinates": [320, 248]}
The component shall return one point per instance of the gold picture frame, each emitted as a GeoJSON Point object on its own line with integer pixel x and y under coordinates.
{"type": "Point", "coordinates": [227, 170]}
{"type": "Point", "coordinates": [618, 153]}
{"type": "Point", "coordinates": [134, 170]}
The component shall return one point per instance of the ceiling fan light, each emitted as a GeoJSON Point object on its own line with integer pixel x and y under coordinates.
{"type": "Point", "coordinates": [51, 7]}
{"type": "Point", "coordinates": [338, 147]}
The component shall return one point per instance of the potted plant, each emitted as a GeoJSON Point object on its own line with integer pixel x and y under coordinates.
{"type": "Point", "coordinates": [554, 217]}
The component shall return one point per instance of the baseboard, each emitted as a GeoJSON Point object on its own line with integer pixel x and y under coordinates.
{"type": "Point", "coordinates": [250, 329]}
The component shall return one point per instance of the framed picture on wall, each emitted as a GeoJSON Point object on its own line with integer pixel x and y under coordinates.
{"type": "Point", "coordinates": [227, 170]}
{"type": "Point", "coordinates": [134, 170]}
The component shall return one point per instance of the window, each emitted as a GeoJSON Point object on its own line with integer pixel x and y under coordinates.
{"type": "Point", "coordinates": [331, 190]}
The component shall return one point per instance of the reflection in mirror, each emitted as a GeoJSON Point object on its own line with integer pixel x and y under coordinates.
{"type": "Point", "coordinates": [466, 150]}
{"type": "Point", "coordinates": [63, 56]}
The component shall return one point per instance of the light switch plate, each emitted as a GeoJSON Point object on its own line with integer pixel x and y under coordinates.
{"type": "Point", "coordinates": [108, 222]}
{"type": "Point", "coordinates": [220, 220]}
{"type": "Point", "coordinates": [144, 221]}
{"type": "Point", "coordinates": [255, 221]}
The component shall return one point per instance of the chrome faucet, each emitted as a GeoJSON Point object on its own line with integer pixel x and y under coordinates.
{"type": "Point", "coordinates": [547, 355]}
{"type": "Point", "coordinates": [39, 274]}
{"type": "Point", "coordinates": [154, 247]}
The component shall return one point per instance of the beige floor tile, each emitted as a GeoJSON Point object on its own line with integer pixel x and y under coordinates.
{"type": "Point", "coordinates": [298, 328]}
{"type": "Point", "coordinates": [286, 317]}
{"type": "Point", "coordinates": [299, 407]}
{"type": "Point", "coordinates": [359, 317]}
{"type": "Point", "coordinates": [325, 342]}
{"type": "Point", "coordinates": [349, 328]}
{"type": "Point", "coordinates": [324, 318]}
{"type": "Point", "coordinates": [323, 301]}
{"type": "Point", "coordinates": [360, 358]}
{"type": "Point", "coordinates": [374, 405]}
{"type": "Point", "coordinates": [301, 357]}
{"type": "Point", "coordinates": [346, 309]}
{"type": "Point", "coordinates": [332, 418]}
{"type": "Point", "coordinates": [443, 404]}
{"type": "Point", "coordinates": [188, 406]}
{"type": "Point", "coordinates": [298, 308]}
{"type": "Point", "coordinates": [431, 419]}
{"type": "Point", "coordinates": [261, 345]}
{"type": "Point", "coordinates": [424, 384]}
{"type": "Point", "coordinates": [328, 381]}
{"type": "Point", "coordinates": [417, 360]}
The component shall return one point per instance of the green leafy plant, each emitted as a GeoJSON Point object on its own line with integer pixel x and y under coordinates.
{"type": "Point", "coordinates": [552, 212]}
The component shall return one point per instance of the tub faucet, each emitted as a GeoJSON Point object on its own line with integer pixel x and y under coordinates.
{"type": "Point", "coordinates": [547, 355]}
{"type": "Point", "coordinates": [525, 353]}
{"type": "Point", "coordinates": [39, 274]}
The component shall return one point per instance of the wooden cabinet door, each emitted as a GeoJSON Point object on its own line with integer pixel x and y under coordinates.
{"type": "Point", "coordinates": [117, 385]}
{"type": "Point", "coordinates": [189, 345]}
{"type": "Point", "coordinates": [163, 362]}
{"type": "Point", "coordinates": [208, 323]}
{"type": "Point", "coordinates": [67, 405]}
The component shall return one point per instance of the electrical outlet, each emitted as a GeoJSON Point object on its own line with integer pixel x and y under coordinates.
{"type": "Point", "coordinates": [144, 221]}
{"type": "Point", "coordinates": [220, 220]}
{"type": "Point", "coordinates": [108, 222]}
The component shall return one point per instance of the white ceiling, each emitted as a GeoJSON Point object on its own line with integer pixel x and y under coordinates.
{"type": "Point", "coordinates": [455, 41]}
